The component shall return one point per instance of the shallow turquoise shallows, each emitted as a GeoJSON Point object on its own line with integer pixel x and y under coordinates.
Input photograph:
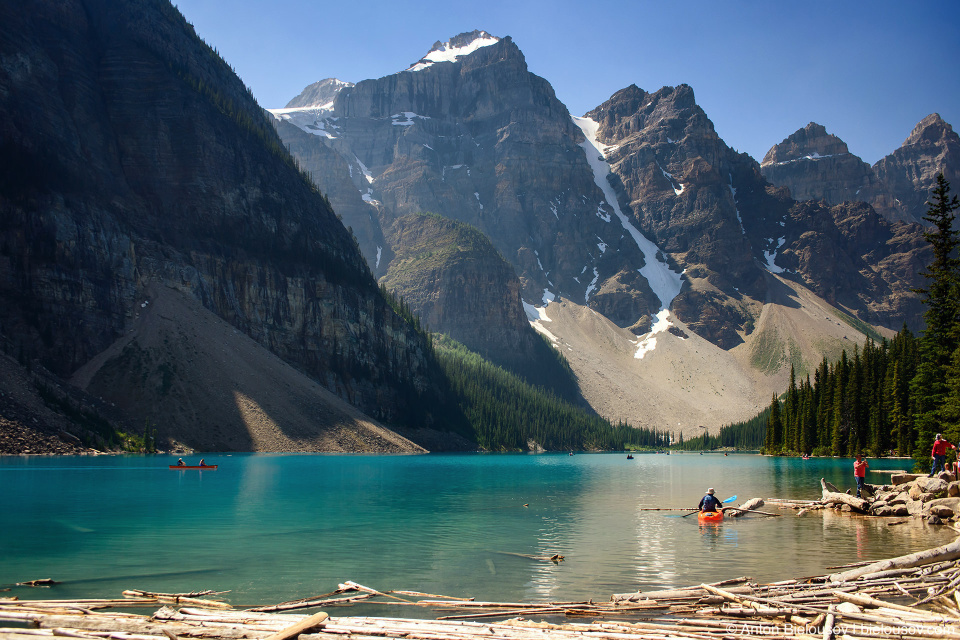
{"type": "Point", "coordinates": [270, 528]}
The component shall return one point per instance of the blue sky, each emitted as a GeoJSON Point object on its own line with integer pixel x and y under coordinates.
{"type": "Point", "coordinates": [866, 70]}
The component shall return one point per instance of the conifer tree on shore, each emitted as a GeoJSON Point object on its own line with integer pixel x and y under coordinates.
{"type": "Point", "coordinates": [890, 396]}
{"type": "Point", "coordinates": [941, 336]}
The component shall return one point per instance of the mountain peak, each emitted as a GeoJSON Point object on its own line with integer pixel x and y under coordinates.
{"type": "Point", "coordinates": [811, 142]}
{"type": "Point", "coordinates": [930, 129]}
{"type": "Point", "coordinates": [319, 94]}
{"type": "Point", "coordinates": [450, 51]}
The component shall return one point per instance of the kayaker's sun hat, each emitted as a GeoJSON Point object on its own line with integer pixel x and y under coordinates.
{"type": "Point", "coordinates": [710, 490]}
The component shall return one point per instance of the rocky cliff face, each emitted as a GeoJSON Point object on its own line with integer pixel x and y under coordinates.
{"type": "Point", "coordinates": [907, 176]}
{"type": "Point", "coordinates": [133, 157]}
{"type": "Point", "coordinates": [458, 281]}
{"type": "Point", "coordinates": [676, 177]}
{"type": "Point", "coordinates": [815, 165]}
{"type": "Point", "coordinates": [607, 209]}
{"type": "Point", "coordinates": [717, 215]}
{"type": "Point", "coordinates": [461, 286]}
{"type": "Point", "coordinates": [469, 133]}
{"type": "Point", "coordinates": [483, 141]}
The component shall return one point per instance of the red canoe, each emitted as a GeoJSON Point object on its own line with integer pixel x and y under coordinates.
{"type": "Point", "coordinates": [187, 466]}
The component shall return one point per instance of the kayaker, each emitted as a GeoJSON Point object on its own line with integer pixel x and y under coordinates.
{"type": "Point", "coordinates": [708, 502]}
{"type": "Point", "coordinates": [939, 454]}
{"type": "Point", "coordinates": [201, 462]}
{"type": "Point", "coordinates": [860, 472]}
{"type": "Point", "coordinates": [180, 462]}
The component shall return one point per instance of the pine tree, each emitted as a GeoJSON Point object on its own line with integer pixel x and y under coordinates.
{"type": "Point", "coordinates": [941, 337]}
{"type": "Point", "coordinates": [774, 441]}
{"type": "Point", "coordinates": [791, 416]}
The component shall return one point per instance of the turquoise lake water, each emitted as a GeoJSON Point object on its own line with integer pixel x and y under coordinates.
{"type": "Point", "coordinates": [270, 528]}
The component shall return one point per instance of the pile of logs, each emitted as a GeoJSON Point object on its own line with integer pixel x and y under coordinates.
{"type": "Point", "coordinates": [910, 596]}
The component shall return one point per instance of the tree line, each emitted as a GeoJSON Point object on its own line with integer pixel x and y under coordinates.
{"type": "Point", "coordinates": [892, 396]}
{"type": "Point", "coordinates": [506, 413]}
{"type": "Point", "coordinates": [747, 435]}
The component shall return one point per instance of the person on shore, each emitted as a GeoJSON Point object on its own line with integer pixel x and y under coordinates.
{"type": "Point", "coordinates": [860, 472]}
{"type": "Point", "coordinates": [708, 502]}
{"type": "Point", "coordinates": [939, 454]}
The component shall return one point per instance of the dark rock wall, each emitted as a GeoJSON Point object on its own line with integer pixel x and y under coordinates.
{"type": "Point", "coordinates": [132, 154]}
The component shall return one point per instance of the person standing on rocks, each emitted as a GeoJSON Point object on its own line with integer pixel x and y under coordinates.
{"type": "Point", "coordinates": [939, 454]}
{"type": "Point", "coordinates": [860, 472]}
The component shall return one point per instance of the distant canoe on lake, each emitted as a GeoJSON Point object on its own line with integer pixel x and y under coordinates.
{"type": "Point", "coordinates": [187, 466]}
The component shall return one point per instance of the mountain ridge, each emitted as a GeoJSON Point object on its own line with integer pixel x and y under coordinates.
{"type": "Point", "coordinates": [655, 190]}
{"type": "Point", "coordinates": [896, 186]}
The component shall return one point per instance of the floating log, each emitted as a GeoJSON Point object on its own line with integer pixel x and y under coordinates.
{"type": "Point", "coordinates": [420, 594]}
{"type": "Point", "coordinates": [746, 511]}
{"type": "Point", "coordinates": [41, 582]}
{"type": "Point", "coordinates": [554, 558]}
{"type": "Point", "coordinates": [946, 552]}
{"type": "Point", "coordinates": [182, 598]}
{"type": "Point", "coordinates": [310, 604]}
{"type": "Point", "coordinates": [749, 505]}
{"type": "Point", "coordinates": [691, 593]}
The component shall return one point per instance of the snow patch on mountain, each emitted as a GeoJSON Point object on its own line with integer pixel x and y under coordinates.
{"type": "Point", "coordinates": [406, 118]}
{"type": "Point", "coordinates": [536, 316]}
{"type": "Point", "coordinates": [813, 156]}
{"type": "Point", "coordinates": [648, 341]}
{"type": "Point", "coordinates": [733, 193]}
{"type": "Point", "coordinates": [771, 256]}
{"type": "Point", "coordinates": [673, 182]}
{"type": "Point", "coordinates": [455, 48]}
{"type": "Point", "coordinates": [363, 168]}
{"type": "Point", "coordinates": [664, 281]}
{"type": "Point", "coordinates": [591, 286]}
{"type": "Point", "coordinates": [312, 120]}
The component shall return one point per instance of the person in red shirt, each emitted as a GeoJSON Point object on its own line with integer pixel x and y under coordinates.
{"type": "Point", "coordinates": [860, 472]}
{"type": "Point", "coordinates": [939, 454]}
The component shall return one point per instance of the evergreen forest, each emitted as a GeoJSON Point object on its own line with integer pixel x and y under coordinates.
{"type": "Point", "coordinates": [747, 435]}
{"type": "Point", "coordinates": [893, 396]}
{"type": "Point", "coordinates": [506, 413]}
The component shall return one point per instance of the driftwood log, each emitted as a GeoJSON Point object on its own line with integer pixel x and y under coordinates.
{"type": "Point", "coordinates": [946, 552]}
{"type": "Point", "coordinates": [737, 512]}
{"type": "Point", "coordinates": [294, 630]}
{"type": "Point", "coordinates": [829, 486]}
{"type": "Point", "coordinates": [833, 497]}
{"type": "Point", "coordinates": [800, 609]}
{"type": "Point", "coordinates": [749, 505]}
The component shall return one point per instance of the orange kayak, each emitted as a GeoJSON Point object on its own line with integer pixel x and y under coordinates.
{"type": "Point", "coordinates": [187, 466]}
{"type": "Point", "coordinates": [710, 516]}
